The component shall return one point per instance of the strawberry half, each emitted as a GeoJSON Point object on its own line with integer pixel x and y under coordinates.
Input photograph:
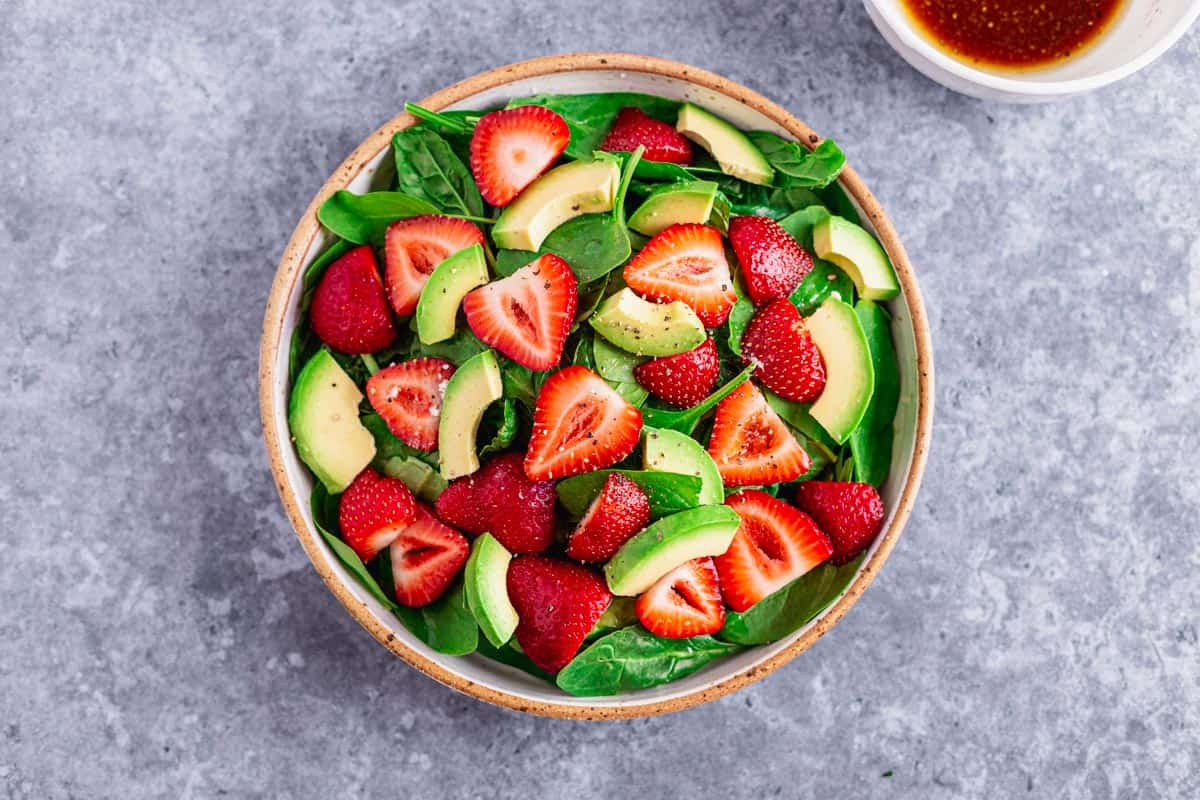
{"type": "Point", "coordinates": [580, 424]}
{"type": "Point", "coordinates": [618, 512]}
{"type": "Point", "coordinates": [426, 557]}
{"type": "Point", "coordinates": [772, 262]}
{"type": "Point", "coordinates": [788, 361]}
{"type": "Point", "coordinates": [684, 379]}
{"type": "Point", "coordinates": [409, 398]}
{"type": "Point", "coordinates": [634, 127]}
{"type": "Point", "coordinates": [500, 499]}
{"type": "Point", "coordinates": [511, 148]}
{"type": "Point", "coordinates": [557, 603]}
{"type": "Point", "coordinates": [751, 445]}
{"type": "Point", "coordinates": [851, 513]}
{"type": "Point", "coordinates": [413, 247]}
{"type": "Point", "coordinates": [685, 262]}
{"type": "Point", "coordinates": [774, 545]}
{"type": "Point", "coordinates": [373, 511]}
{"type": "Point", "coordinates": [683, 603]}
{"type": "Point", "coordinates": [349, 310]}
{"type": "Point", "coordinates": [527, 315]}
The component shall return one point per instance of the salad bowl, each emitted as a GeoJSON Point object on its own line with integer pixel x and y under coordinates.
{"type": "Point", "coordinates": [368, 168]}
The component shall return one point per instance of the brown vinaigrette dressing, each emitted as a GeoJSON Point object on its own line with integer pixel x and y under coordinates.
{"type": "Point", "coordinates": [1013, 34]}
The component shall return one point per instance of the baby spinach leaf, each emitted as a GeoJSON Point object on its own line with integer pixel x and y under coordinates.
{"type": "Point", "coordinates": [809, 169]}
{"type": "Point", "coordinates": [685, 421]}
{"type": "Point", "coordinates": [461, 123]}
{"type": "Point", "coordinates": [739, 315]}
{"type": "Point", "coordinates": [613, 363]}
{"type": "Point", "coordinates": [796, 415]}
{"type": "Point", "coordinates": [633, 658]}
{"type": "Point", "coordinates": [427, 168]}
{"type": "Point", "coordinates": [793, 198]}
{"type": "Point", "coordinates": [661, 171]}
{"type": "Point", "coordinates": [837, 201]}
{"type": "Point", "coordinates": [512, 657]}
{"type": "Point", "coordinates": [498, 428]}
{"type": "Point", "coordinates": [801, 223]}
{"type": "Point", "coordinates": [791, 608]}
{"type": "Point", "coordinates": [825, 279]}
{"type": "Point", "coordinates": [591, 294]}
{"type": "Point", "coordinates": [589, 116]}
{"type": "Point", "coordinates": [593, 244]}
{"type": "Point", "coordinates": [871, 442]}
{"type": "Point", "coordinates": [668, 492]}
{"type": "Point", "coordinates": [621, 612]}
{"type": "Point", "coordinates": [387, 446]}
{"type": "Point", "coordinates": [363, 218]}
{"type": "Point", "coordinates": [582, 353]}
{"type": "Point", "coordinates": [324, 512]}
{"type": "Point", "coordinates": [446, 624]}
{"type": "Point", "coordinates": [518, 382]}
{"type": "Point", "coordinates": [457, 349]}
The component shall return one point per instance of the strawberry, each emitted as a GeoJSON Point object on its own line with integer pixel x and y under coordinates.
{"type": "Point", "coordinates": [851, 513]}
{"type": "Point", "coordinates": [580, 424]}
{"type": "Point", "coordinates": [426, 557]}
{"type": "Point", "coordinates": [773, 263]}
{"type": "Point", "coordinates": [683, 603]}
{"type": "Point", "coordinates": [685, 262]}
{"type": "Point", "coordinates": [751, 444]}
{"type": "Point", "coordinates": [409, 398]}
{"type": "Point", "coordinates": [527, 315]}
{"type": "Point", "coordinates": [349, 310]}
{"type": "Point", "coordinates": [634, 127]}
{"type": "Point", "coordinates": [788, 361]}
{"type": "Point", "coordinates": [558, 603]}
{"type": "Point", "coordinates": [414, 246]}
{"type": "Point", "coordinates": [373, 511]}
{"type": "Point", "coordinates": [684, 379]}
{"type": "Point", "coordinates": [511, 148]}
{"type": "Point", "coordinates": [500, 499]}
{"type": "Point", "coordinates": [618, 512]}
{"type": "Point", "coordinates": [774, 545]}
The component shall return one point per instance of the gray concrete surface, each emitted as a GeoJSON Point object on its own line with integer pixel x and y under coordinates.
{"type": "Point", "coordinates": [162, 635]}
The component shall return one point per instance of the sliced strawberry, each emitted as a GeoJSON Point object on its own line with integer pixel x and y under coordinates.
{"type": "Point", "coordinates": [618, 512]}
{"type": "Point", "coordinates": [788, 361]}
{"type": "Point", "coordinates": [751, 445]}
{"type": "Point", "coordinates": [500, 499]}
{"type": "Point", "coordinates": [684, 379]}
{"type": "Point", "coordinates": [683, 603]}
{"type": "Point", "coordinates": [580, 424]}
{"type": "Point", "coordinates": [527, 315]}
{"type": "Point", "coordinates": [772, 262]}
{"type": "Point", "coordinates": [409, 398]}
{"type": "Point", "coordinates": [634, 127]}
{"type": "Point", "coordinates": [685, 262]}
{"type": "Point", "coordinates": [558, 603]}
{"type": "Point", "coordinates": [425, 558]}
{"type": "Point", "coordinates": [414, 246]}
{"type": "Point", "coordinates": [774, 545]}
{"type": "Point", "coordinates": [373, 511]}
{"type": "Point", "coordinates": [349, 310]}
{"type": "Point", "coordinates": [851, 513]}
{"type": "Point", "coordinates": [511, 148]}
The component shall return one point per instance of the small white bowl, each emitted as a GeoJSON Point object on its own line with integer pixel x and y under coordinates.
{"type": "Point", "coordinates": [1144, 31]}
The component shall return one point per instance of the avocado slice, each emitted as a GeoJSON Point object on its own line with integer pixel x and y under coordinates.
{"type": "Point", "coordinates": [732, 149]}
{"type": "Point", "coordinates": [485, 579]}
{"type": "Point", "coordinates": [667, 543]}
{"type": "Point", "coordinates": [666, 450]}
{"type": "Point", "coordinates": [420, 478]}
{"type": "Point", "coordinates": [471, 389]}
{"type": "Point", "coordinates": [580, 187]}
{"type": "Point", "coordinates": [323, 418]}
{"type": "Point", "coordinates": [857, 252]}
{"type": "Point", "coordinates": [849, 372]}
{"type": "Point", "coordinates": [647, 329]}
{"type": "Point", "coordinates": [448, 284]}
{"type": "Point", "coordinates": [673, 204]}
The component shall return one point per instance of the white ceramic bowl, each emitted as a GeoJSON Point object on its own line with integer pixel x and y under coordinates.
{"type": "Point", "coordinates": [1142, 33]}
{"type": "Point", "coordinates": [476, 675]}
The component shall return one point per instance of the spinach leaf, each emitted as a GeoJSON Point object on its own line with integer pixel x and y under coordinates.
{"type": "Point", "coordinates": [837, 201]}
{"type": "Point", "coordinates": [461, 123]}
{"type": "Point", "coordinates": [589, 116]}
{"type": "Point", "coordinates": [871, 442]}
{"type": "Point", "coordinates": [427, 168]}
{"type": "Point", "coordinates": [685, 421]}
{"type": "Point", "coordinates": [446, 624]}
{"type": "Point", "coordinates": [364, 218]}
{"type": "Point", "coordinates": [620, 613]}
{"type": "Point", "coordinates": [387, 446]}
{"type": "Point", "coordinates": [668, 492]}
{"type": "Point", "coordinates": [591, 294]}
{"type": "Point", "coordinates": [825, 279]}
{"type": "Point", "coordinates": [809, 169]}
{"type": "Point", "coordinates": [457, 349]}
{"type": "Point", "coordinates": [791, 608]}
{"type": "Point", "coordinates": [739, 315]}
{"type": "Point", "coordinates": [518, 382]}
{"type": "Point", "coordinates": [613, 363]}
{"type": "Point", "coordinates": [661, 171]}
{"type": "Point", "coordinates": [324, 512]}
{"type": "Point", "coordinates": [592, 244]}
{"type": "Point", "coordinates": [512, 657]}
{"type": "Point", "coordinates": [796, 415]}
{"type": "Point", "coordinates": [501, 420]}
{"type": "Point", "coordinates": [793, 198]}
{"type": "Point", "coordinates": [801, 223]}
{"type": "Point", "coordinates": [633, 658]}
{"type": "Point", "coordinates": [582, 353]}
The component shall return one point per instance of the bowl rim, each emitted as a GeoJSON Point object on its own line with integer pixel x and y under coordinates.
{"type": "Point", "coordinates": [897, 20]}
{"type": "Point", "coordinates": [289, 271]}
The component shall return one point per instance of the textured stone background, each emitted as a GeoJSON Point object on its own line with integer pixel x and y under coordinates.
{"type": "Point", "coordinates": [161, 633]}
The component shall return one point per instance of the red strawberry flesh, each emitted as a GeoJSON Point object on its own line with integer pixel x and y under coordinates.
{"type": "Point", "coordinates": [851, 513]}
{"type": "Point", "coordinates": [512, 147]}
{"type": "Point", "coordinates": [426, 557]}
{"type": "Point", "coordinates": [618, 512]}
{"type": "Point", "coordinates": [788, 361]}
{"type": "Point", "coordinates": [409, 398]}
{"type": "Point", "coordinates": [684, 379]}
{"type": "Point", "coordinates": [634, 127]}
{"type": "Point", "coordinates": [751, 445]}
{"type": "Point", "coordinates": [373, 511]}
{"type": "Point", "coordinates": [772, 262]}
{"type": "Point", "coordinates": [414, 246]}
{"type": "Point", "coordinates": [683, 603]}
{"type": "Point", "coordinates": [557, 603]}
{"type": "Point", "coordinates": [685, 262]}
